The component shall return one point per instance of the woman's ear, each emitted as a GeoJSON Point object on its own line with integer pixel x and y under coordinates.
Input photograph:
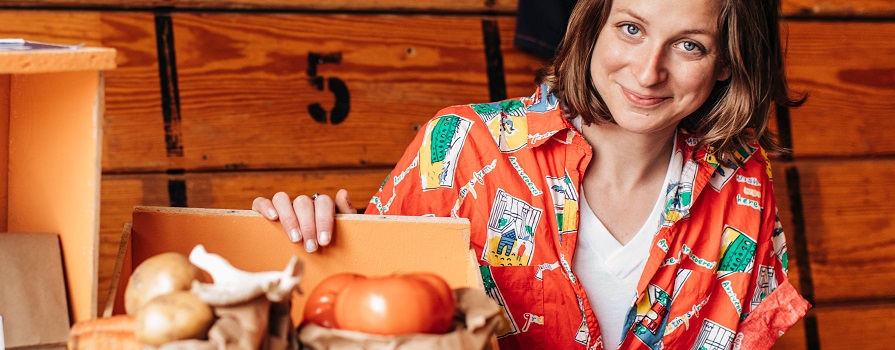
{"type": "Point", "coordinates": [723, 72]}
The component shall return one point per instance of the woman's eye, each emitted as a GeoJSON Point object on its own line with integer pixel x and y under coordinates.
{"type": "Point", "coordinates": [690, 46]}
{"type": "Point", "coordinates": [631, 29]}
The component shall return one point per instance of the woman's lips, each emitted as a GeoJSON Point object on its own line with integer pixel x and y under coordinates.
{"type": "Point", "coordinates": [642, 101]}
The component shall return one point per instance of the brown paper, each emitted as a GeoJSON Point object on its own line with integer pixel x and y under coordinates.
{"type": "Point", "coordinates": [32, 291]}
{"type": "Point", "coordinates": [481, 319]}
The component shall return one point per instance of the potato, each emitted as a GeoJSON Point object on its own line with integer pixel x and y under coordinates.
{"type": "Point", "coordinates": [161, 274]}
{"type": "Point", "coordinates": [171, 317]}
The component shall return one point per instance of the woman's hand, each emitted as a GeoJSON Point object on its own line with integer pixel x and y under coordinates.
{"type": "Point", "coordinates": [305, 219]}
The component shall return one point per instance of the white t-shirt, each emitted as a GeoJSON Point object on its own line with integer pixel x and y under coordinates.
{"type": "Point", "coordinates": [608, 270]}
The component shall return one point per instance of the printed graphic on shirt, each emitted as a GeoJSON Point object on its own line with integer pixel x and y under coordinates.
{"type": "Point", "coordinates": [767, 164]}
{"type": "Point", "coordinates": [751, 192]}
{"type": "Point", "coordinates": [544, 102]}
{"type": "Point", "coordinates": [723, 173]}
{"type": "Point", "coordinates": [478, 177]}
{"type": "Point", "coordinates": [545, 266]}
{"type": "Point", "coordinates": [377, 200]}
{"type": "Point", "coordinates": [713, 336]}
{"type": "Point", "coordinates": [765, 283]}
{"type": "Point", "coordinates": [582, 336]}
{"type": "Point", "coordinates": [509, 326]}
{"type": "Point", "coordinates": [680, 280]}
{"type": "Point", "coordinates": [748, 202]}
{"type": "Point", "coordinates": [684, 320]}
{"type": "Point", "coordinates": [724, 170]}
{"type": "Point", "coordinates": [440, 150]}
{"type": "Point", "coordinates": [650, 317]}
{"type": "Point", "coordinates": [737, 252]}
{"type": "Point", "coordinates": [531, 319]}
{"type": "Point", "coordinates": [733, 297]}
{"type": "Point", "coordinates": [779, 241]}
{"type": "Point", "coordinates": [384, 181]}
{"type": "Point", "coordinates": [507, 123]}
{"type": "Point", "coordinates": [567, 267]}
{"type": "Point", "coordinates": [679, 194]}
{"type": "Point", "coordinates": [510, 231]}
{"type": "Point", "coordinates": [565, 203]}
{"type": "Point", "coordinates": [528, 183]}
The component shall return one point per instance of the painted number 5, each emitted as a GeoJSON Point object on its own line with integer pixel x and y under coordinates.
{"type": "Point", "coordinates": [335, 85]}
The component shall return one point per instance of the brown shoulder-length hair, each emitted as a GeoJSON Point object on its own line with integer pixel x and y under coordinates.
{"type": "Point", "coordinates": [737, 110]}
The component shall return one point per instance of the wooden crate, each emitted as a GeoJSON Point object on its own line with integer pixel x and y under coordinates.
{"type": "Point", "coordinates": [50, 168]}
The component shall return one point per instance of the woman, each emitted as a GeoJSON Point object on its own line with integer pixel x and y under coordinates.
{"type": "Point", "coordinates": [628, 202]}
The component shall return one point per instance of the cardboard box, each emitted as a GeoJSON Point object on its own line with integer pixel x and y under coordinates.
{"type": "Point", "coordinates": [365, 244]}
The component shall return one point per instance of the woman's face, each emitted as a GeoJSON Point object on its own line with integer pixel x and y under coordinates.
{"type": "Point", "coordinates": [655, 62]}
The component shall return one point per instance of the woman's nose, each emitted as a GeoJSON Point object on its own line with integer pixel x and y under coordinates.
{"type": "Point", "coordinates": [649, 67]}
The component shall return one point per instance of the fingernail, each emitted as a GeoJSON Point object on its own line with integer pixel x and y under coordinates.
{"type": "Point", "coordinates": [294, 235]}
{"type": "Point", "coordinates": [272, 214]}
{"type": "Point", "coordinates": [324, 237]}
{"type": "Point", "coordinates": [310, 245]}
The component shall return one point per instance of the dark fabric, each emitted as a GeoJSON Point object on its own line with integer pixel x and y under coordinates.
{"type": "Point", "coordinates": [541, 24]}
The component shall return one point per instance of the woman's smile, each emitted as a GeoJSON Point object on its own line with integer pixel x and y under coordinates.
{"type": "Point", "coordinates": [643, 100]}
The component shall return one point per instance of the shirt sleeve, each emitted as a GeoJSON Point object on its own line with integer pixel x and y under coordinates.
{"type": "Point", "coordinates": [422, 182]}
{"type": "Point", "coordinates": [774, 303]}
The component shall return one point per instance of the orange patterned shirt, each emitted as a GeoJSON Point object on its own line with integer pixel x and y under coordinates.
{"type": "Point", "coordinates": [716, 275]}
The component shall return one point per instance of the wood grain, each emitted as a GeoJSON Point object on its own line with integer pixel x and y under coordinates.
{"type": "Point", "coordinates": [329, 5]}
{"type": "Point", "coordinates": [57, 60]}
{"type": "Point", "coordinates": [844, 8]}
{"type": "Point", "coordinates": [245, 90]}
{"type": "Point", "coordinates": [61, 27]}
{"type": "Point", "coordinates": [856, 327]}
{"type": "Point", "coordinates": [793, 339]}
{"type": "Point", "coordinates": [4, 151]}
{"type": "Point", "coordinates": [850, 77]}
{"type": "Point", "coordinates": [856, 8]}
{"type": "Point", "coordinates": [133, 126]}
{"type": "Point", "coordinates": [519, 66]}
{"type": "Point", "coordinates": [850, 227]}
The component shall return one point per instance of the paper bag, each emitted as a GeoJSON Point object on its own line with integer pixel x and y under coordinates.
{"type": "Point", "coordinates": [32, 291]}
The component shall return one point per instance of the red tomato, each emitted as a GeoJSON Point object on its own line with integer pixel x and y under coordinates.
{"type": "Point", "coordinates": [396, 305]}
{"type": "Point", "coordinates": [445, 317]}
{"type": "Point", "coordinates": [319, 308]}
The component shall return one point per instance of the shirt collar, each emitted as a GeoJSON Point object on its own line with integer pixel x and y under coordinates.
{"type": "Point", "coordinates": [544, 116]}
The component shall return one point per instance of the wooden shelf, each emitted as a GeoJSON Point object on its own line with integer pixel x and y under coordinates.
{"type": "Point", "coordinates": [61, 60]}
{"type": "Point", "coordinates": [51, 117]}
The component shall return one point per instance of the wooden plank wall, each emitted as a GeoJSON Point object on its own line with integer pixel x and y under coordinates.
{"type": "Point", "coordinates": [210, 108]}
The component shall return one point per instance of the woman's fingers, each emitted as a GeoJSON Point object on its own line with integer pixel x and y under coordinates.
{"type": "Point", "coordinates": [305, 219]}
{"type": "Point", "coordinates": [324, 213]}
{"type": "Point", "coordinates": [343, 203]}
{"type": "Point", "coordinates": [264, 207]}
{"type": "Point", "coordinates": [304, 209]}
{"type": "Point", "coordinates": [287, 216]}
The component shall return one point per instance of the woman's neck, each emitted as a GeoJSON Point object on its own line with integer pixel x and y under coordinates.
{"type": "Point", "coordinates": [627, 159]}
